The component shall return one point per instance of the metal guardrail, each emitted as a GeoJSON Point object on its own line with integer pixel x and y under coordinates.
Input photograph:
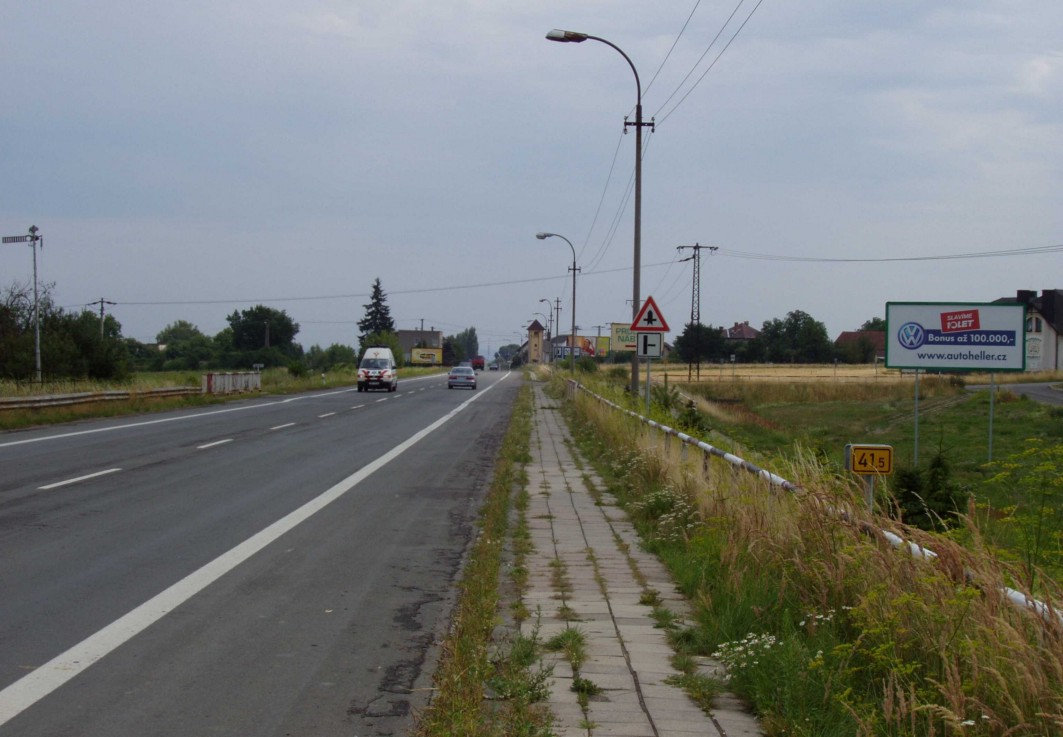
{"type": "Point", "coordinates": [63, 400]}
{"type": "Point", "coordinates": [1015, 597]}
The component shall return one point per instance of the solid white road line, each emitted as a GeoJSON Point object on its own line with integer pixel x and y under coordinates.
{"type": "Point", "coordinates": [57, 484]}
{"type": "Point", "coordinates": [34, 686]}
{"type": "Point", "coordinates": [216, 442]}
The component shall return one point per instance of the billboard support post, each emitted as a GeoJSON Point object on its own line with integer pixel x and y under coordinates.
{"type": "Point", "coordinates": [992, 398]}
{"type": "Point", "coordinates": [915, 452]}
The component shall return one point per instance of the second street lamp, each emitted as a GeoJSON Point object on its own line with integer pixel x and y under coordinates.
{"type": "Point", "coordinates": [572, 336]}
{"type": "Point", "coordinates": [549, 321]}
{"type": "Point", "coordinates": [576, 37]}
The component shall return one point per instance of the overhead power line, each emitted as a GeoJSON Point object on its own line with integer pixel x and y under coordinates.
{"type": "Point", "coordinates": [943, 257]}
{"type": "Point", "coordinates": [1031, 251]}
{"type": "Point", "coordinates": [709, 68]}
{"type": "Point", "coordinates": [605, 190]}
{"type": "Point", "coordinates": [700, 58]}
{"type": "Point", "coordinates": [669, 54]}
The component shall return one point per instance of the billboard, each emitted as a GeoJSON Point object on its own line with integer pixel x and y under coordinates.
{"type": "Point", "coordinates": [601, 345]}
{"type": "Point", "coordinates": [956, 336]}
{"type": "Point", "coordinates": [623, 338]}
{"type": "Point", "coordinates": [426, 356]}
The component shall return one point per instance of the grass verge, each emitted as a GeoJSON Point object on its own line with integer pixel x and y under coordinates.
{"type": "Point", "coordinates": [274, 381]}
{"type": "Point", "coordinates": [481, 690]}
{"type": "Point", "coordinates": [823, 626]}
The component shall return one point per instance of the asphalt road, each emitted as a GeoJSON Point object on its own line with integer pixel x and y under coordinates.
{"type": "Point", "coordinates": [273, 567]}
{"type": "Point", "coordinates": [1046, 392]}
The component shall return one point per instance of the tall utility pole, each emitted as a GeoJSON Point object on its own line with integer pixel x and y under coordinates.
{"type": "Point", "coordinates": [598, 340]}
{"type": "Point", "coordinates": [557, 325]}
{"type": "Point", "coordinates": [576, 37]}
{"type": "Point", "coordinates": [32, 239]}
{"type": "Point", "coordinates": [695, 302]}
{"type": "Point", "coordinates": [101, 302]}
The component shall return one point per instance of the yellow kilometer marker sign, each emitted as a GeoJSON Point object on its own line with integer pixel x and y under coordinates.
{"type": "Point", "coordinates": [869, 460]}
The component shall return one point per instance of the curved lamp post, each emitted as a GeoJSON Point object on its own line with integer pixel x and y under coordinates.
{"type": "Point", "coordinates": [550, 318]}
{"type": "Point", "coordinates": [545, 317]}
{"type": "Point", "coordinates": [572, 336]}
{"type": "Point", "coordinates": [576, 37]}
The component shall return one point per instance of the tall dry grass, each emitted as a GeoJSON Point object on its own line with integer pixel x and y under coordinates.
{"type": "Point", "coordinates": [840, 374]}
{"type": "Point", "coordinates": [855, 636]}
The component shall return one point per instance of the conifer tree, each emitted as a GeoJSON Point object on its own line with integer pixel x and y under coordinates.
{"type": "Point", "coordinates": [377, 318]}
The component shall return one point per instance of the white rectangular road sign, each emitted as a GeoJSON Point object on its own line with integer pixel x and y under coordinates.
{"type": "Point", "coordinates": [956, 335]}
{"type": "Point", "coordinates": [650, 345]}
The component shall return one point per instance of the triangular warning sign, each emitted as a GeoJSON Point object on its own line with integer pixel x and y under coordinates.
{"type": "Point", "coordinates": [649, 319]}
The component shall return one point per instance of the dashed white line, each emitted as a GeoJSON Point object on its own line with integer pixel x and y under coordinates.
{"type": "Point", "coordinates": [281, 427]}
{"type": "Point", "coordinates": [327, 414]}
{"type": "Point", "coordinates": [383, 400]}
{"type": "Point", "coordinates": [46, 678]}
{"type": "Point", "coordinates": [216, 442]}
{"type": "Point", "coordinates": [358, 406]}
{"type": "Point", "coordinates": [57, 484]}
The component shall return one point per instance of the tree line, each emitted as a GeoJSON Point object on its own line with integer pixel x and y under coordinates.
{"type": "Point", "coordinates": [799, 338]}
{"type": "Point", "coordinates": [85, 345]}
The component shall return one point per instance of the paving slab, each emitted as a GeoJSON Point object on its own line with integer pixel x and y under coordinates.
{"type": "Point", "coordinates": [588, 541]}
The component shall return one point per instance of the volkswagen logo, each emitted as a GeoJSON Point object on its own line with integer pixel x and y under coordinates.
{"type": "Point", "coordinates": [911, 335]}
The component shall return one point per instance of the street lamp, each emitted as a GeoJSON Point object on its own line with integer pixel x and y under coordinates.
{"type": "Point", "coordinates": [32, 239]}
{"type": "Point", "coordinates": [572, 336]}
{"type": "Point", "coordinates": [575, 37]}
{"type": "Point", "coordinates": [550, 317]}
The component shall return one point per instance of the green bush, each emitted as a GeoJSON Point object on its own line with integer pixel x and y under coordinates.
{"type": "Point", "coordinates": [587, 365]}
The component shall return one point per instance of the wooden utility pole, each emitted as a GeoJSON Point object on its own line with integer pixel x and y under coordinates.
{"type": "Point", "coordinates": [101, 302]}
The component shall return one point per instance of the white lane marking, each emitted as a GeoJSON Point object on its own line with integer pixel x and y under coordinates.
{"type": "Point", "coordinates": [34, 686]}
{"type": "Point", "coordinates": [327, 414]}
{"type": "Point", "coordinates": [197, 415]}
{"type": "Point", "coordinates": [281, 427]}
{"type": "Point", "coordinates": [216, 442]}
{"type": "Point", "coordinates": [57, 484]}
{"type": "Point", "coordinates": [358, 406]}
{"type": "Point", "coordinates": [383, 400]}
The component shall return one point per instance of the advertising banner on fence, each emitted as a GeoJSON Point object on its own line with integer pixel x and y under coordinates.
{"type": "Point", "coordinates": [584, 347]}
{"type": "Point", "coordinates": [956, 336]}
{"type": "Point", "coordinates": [623, 337]}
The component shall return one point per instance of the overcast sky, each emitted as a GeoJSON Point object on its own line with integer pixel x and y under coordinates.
{"type": "Point", "coordinates": [188, 159]}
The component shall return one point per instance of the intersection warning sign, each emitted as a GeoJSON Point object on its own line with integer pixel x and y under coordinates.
{"type": "Point", "coordinates": [649, 319]}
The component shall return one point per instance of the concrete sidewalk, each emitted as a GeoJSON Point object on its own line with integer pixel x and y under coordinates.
{"type": "Point", "coordinates": [588, 571]}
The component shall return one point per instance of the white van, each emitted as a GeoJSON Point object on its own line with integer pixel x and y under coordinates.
{"type": "Point", "coordinates": [377, 370]}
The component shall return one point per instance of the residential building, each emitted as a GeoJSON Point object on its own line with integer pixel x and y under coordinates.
{"type": "Point", "coordinates": [1044, 327]}
{"type": "Point", "coordinates": [742, 331]}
